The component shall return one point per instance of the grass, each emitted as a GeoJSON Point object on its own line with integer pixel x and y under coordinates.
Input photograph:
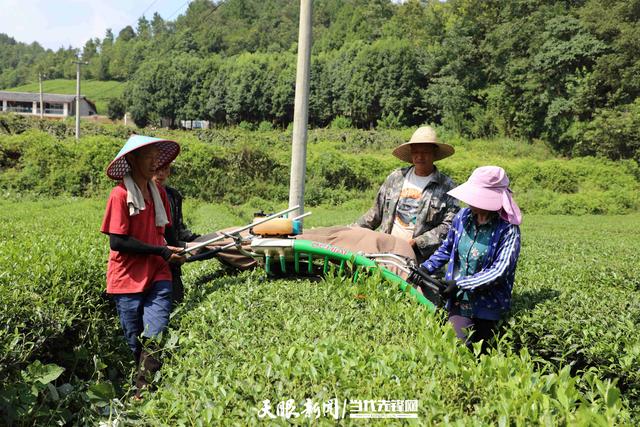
{"type": "Point", "coordinates": [97, 91]}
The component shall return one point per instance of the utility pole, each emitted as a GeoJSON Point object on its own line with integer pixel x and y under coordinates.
{"type": "Point", "coordinates": [301, 111]}
{"type": "Point", "coordinates": [41, 101]}
{"type": "Point", "coordinates": [78, 64]}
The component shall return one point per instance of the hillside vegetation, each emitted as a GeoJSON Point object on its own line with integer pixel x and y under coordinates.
{"type": "Point", "coordinates": [562, 71]}
{"type": "Point", "coordinates": [344, 165]}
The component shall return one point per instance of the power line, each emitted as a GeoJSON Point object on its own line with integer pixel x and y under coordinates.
{"type": "Point", "coordinates": [176, 11]}
{"type": "Point", "coordinates": [149, 7]}
{"type": "Point", "coordinates": [183, 32]}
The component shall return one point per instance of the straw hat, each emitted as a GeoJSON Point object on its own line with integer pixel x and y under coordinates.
{"type": "Point", "coordinates": [423, 135]}
{"type": "Point", "coordinates": [168, 150]}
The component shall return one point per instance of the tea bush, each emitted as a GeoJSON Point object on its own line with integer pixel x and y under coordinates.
{"type": "Point", "coordinates": [250, 340]}
{"type": "Point", "coordinates": [577, 299]}
{"type": "Point", "coordinates": [60, 343]}
{"type": "Point", "coordinates": [237, 340]}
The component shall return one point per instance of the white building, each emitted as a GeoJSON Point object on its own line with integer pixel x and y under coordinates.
{"type": "Point", "coordinates": [194, 124]}
{"type": "Point", "coordinates": [55, 105]}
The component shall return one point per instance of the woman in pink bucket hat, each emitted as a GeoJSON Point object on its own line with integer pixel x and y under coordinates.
{"type": "Point", "coordinates": [481, 249]}
{"type": "Point", "coordinates": [138, 273]}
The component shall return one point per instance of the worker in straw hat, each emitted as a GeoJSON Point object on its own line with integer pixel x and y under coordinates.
{"type": "Point", "coordinates": [412, 203]}
{"type": "Point", "coordinates": [138, 273]}
{"type": "Point", "coordinates": [481, 250]}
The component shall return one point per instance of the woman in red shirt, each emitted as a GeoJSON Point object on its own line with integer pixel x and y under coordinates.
{"type": "Point", "coordinates": [138, 274]}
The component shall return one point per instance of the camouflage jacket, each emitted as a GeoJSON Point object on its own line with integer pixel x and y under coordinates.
{"type": "Point", "coordinates": [437, 210]}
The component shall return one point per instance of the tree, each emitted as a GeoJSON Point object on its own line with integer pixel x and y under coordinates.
{"type": "Point", "coordinates": [17, 59]}
{"type": "Point", "coordinates": [126, 34]}
{"type": "Point", "coordinates": [616, 23]}
{"type": "Point", "coordinates": [199, 96]}
{"type": "Point", "coordinates": [613, 133]}
{"type": "Point", "coordinates": [372, 81]}
{"type": "Point", "coordinates": [158, 25]}
{"type": "Point", "coordinates": [90, 49]}
{"type": "Point", "coordinates": [144, 28]}
{"type": "Point", "coordinates": [116, 108]}
{"type": "Point", "coordinates": [161, 88]}
{"type": "Point", "coordinates": [108, 38]}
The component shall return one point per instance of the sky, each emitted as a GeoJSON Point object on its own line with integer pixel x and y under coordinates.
{"type": "Point", "coordinates": [63, 23]}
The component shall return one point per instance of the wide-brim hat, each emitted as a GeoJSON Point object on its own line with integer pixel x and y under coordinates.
{"type": "Point", "coordinates": [488, 188]}
{"type": "Point", "coordinates": [168, 151]}
{"type": "Point", "coordinates": [488, 199]}
{"type": "Point", "coordinates": [423, 135]}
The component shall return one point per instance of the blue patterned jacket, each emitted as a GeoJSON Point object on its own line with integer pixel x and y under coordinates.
{"type": "Point", "coordinates": [490, 288]}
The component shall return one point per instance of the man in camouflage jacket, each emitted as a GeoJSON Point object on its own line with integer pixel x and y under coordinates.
{"type": "Point", "coordinates": [433, 209]}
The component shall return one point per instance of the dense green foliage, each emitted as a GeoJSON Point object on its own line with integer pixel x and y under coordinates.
{"type": "Point", "coordinates": [17, 61]}
{"type": "Point", "coordinates": [99, 92]}
{"type": "Point", "coordinates": [56, 325]}
{"type": "Point", "coordinates": [578, 300]}
{"type": "Point", "coordinates": [563, 71]}
{"type": "Point", "coordinates": [497, 73]}
{"type": "Point", "coordinates": [343, 165]}
{"type": "Point", "coordinates": [238, 340]}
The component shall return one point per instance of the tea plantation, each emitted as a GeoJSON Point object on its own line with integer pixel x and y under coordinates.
{"type": "Point", "coordinates": [569, 354]}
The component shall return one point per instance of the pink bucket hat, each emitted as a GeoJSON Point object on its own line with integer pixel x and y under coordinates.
{"type": "Point", "coordinates": [488, 188]}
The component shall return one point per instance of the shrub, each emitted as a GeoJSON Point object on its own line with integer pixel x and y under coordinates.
{"type": "Point", "coordinates": [391, 121]}
{"type": "Point", "coordinates": [612, 133]}
{"type": "Point", "coordinates": [230, 164]}
{"type": "Point", "coordinates": [336, 172]}
{"type": "Point", "coordinates": [116, 108]}
{"type": "Point", "coordinates": [245, 125]}
{"type": "Point", "coordinates": [341, 122]}
{"type": "Point", "coordinates": [265, 126]}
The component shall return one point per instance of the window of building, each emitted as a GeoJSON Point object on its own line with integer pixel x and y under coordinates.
{"type": "Point", "coordinates": [19, 107]}
{"type": "Point", "coordinates": [50, 108]}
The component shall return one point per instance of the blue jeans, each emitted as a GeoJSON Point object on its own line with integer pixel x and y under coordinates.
{"type": "Point", "coordinates": [144, 314]}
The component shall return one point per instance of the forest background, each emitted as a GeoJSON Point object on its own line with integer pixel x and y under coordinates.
{"type": "Point", "coordinates": [566, 72]}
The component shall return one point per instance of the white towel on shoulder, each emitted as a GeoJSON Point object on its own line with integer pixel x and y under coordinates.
{"type": "Point", "coordinates": [135, 200]}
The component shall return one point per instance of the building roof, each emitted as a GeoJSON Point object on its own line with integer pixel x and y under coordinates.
{"type": "Point", "coordinates": [35, 97]}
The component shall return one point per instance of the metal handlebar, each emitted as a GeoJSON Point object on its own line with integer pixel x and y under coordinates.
{"type": "Point", "coordinates": [234, 234]}
{"type": "Point", "coordinates": [415, 275]}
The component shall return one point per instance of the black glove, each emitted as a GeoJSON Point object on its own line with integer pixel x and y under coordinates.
{"type": "Point", "coordinates": [206, 254]}
{"type": "Point", "coordinates": [417, 275]}
{"type": "Point", "coordinates": [421, 277]}
{"type": "Point", "coordinates": [449, 289]}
